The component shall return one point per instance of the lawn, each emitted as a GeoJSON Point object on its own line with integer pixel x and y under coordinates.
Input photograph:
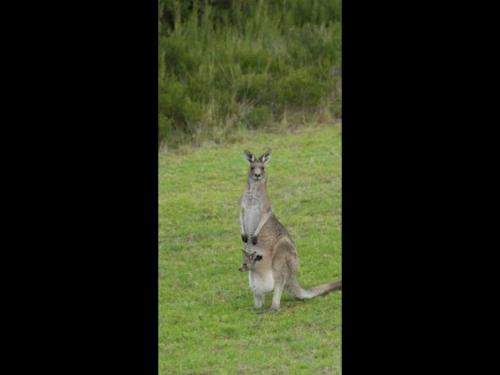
{"type": "Point", "coordinates": [207, 323]}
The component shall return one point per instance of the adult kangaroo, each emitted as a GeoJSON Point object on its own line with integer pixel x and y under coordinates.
{"type": "Point", "coordinates": [269, 255]}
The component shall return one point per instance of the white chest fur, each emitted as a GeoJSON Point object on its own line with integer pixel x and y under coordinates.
{"type": "Point", "coordinates": [261, 283]}
{"type": "Point", "coordinates": [251, 205]}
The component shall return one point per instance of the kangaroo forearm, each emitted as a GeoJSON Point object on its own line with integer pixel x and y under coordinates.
{"type": "Point", "coordinates": [262, 221]}
{"type": "Point", "coordinates": [244, 236]}
{"type": "Point", "coordinates": [241, 222]}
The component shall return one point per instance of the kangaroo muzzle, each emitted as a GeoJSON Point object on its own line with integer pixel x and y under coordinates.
{"type": "Point", "coordinates": [243, 268]}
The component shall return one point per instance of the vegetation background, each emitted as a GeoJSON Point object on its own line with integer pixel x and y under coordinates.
{"type": "Point", "coordinates": [240, 75]}
{"type": "Point", "coordinates": [232, 65]}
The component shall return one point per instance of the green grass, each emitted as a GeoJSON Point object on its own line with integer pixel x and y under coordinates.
{"type": "Point", "coordinates": [207, 323]}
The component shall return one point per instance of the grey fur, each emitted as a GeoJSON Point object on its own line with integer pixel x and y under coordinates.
{"type": "Point", "coordinates": [271, 261]}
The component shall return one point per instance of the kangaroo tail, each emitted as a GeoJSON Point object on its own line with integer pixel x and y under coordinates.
{"type": "Point", "coordinates": [297, 291]}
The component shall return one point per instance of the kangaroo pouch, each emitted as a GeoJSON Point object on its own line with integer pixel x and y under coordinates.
{"type": "Point", "coordinates": [261, 283]}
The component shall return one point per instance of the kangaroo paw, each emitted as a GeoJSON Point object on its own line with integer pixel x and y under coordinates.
{"type": "Point", "coordinates": [244, 238]}
{"type": "Point", "coordinates": [254, 240]}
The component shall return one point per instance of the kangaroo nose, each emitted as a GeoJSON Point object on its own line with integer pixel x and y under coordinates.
{"type": "Point", "coordinates": [257, 175]}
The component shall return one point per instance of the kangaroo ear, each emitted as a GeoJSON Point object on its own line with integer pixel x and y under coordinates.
{"type": "Point", "coordinates": [266, 156]}
{"type": "Point", "coordinates": [249, 156]}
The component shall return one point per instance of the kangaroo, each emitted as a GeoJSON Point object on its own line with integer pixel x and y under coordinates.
{"type": "Point", "coordinates": [249, 260]}
{"type": "Point", "coordinates": [270, 257]}
{"type": "Point", "coordinates": [255, 206]}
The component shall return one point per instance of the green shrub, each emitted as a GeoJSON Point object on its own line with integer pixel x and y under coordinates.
{"type": "Point", "coordinates": [258, 117]}
{"type": "Point", "coordinates": [255, 88]}
{"type": "Point", "coordinates": [301, 88]}
{"type": "Point", "coordinates": [178, 58]}
{"type": "Point", "coordinates": [252, 60]}
{"type": "Point", "coordinates": [244, 63]}
{"type": "Point", "coordinates": [175, 105]}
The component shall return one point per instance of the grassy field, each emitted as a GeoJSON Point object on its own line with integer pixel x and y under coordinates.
{"type": "Point", "coordinates": [207, 323]}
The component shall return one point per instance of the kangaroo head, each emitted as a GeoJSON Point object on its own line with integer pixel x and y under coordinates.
{"type": "Point", "coordinates": [249, 260]}
{"type": "Point", "coordinates": [257, 166]}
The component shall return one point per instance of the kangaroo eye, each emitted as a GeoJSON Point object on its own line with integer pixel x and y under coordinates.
{"type": "Point", "coordinates": [252, 168]}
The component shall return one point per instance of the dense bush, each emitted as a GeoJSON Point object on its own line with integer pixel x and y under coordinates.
{"type": "Point", "coordinates": [225, 64]}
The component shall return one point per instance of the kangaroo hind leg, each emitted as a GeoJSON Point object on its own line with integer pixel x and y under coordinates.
{"type": "Point", "coordinates": [258, 300]}
{"type": "Point", "coordinates": [284, 253]}
{"type": "Point", "coordinates": [279, 285]}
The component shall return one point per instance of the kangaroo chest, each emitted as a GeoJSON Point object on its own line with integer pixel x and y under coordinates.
{"type": "Point", "coordinates": [252, 204]}
{"type": "Point", "coordinates": [261, 282]}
